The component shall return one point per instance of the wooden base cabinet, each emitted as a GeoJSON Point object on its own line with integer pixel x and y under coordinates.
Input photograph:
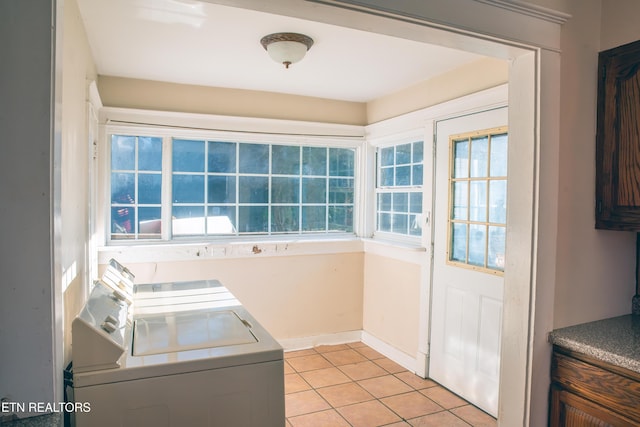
{"type": "Point", "coordinates": [589, 393]}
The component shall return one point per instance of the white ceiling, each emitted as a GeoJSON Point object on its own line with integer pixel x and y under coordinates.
{"type": "Point", "coordinates": [194, 42]}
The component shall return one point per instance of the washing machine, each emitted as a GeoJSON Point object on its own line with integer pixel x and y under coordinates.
{"type": "Point", "coordinates": [174, 354]}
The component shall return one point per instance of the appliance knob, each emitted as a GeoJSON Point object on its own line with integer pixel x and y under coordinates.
{"type": "Point", "coordinates": [109, 327]}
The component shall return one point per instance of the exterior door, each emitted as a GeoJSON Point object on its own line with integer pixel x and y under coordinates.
{"type": "Point", "coordinates": [468, 255]}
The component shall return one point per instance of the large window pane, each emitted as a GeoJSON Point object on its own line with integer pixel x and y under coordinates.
{"type": "Point", "coordinates": [221, 220]}
{"type": "Point", "coordinates": [387, 156]}
{"type": "Point", "coordinates": [285, 219]}
{"type": "Point", "coordinates": [314, 161]}
{"type": "Point", "coordinates": [403, 154]}
{"type": "Point", "coordinates": [384, 202]}
{"type": "Point", "coordinates": [123, 219]}
{"type": "Point", "coordinates": [253, 219]}
{"type": "Point", "coordinates": [401, 202]}
{"type": "Point", "coordinates": [403, 175]}
{"type": "Point", "coordinates": [314, 190]}
{"type": "Point", "coordinates": [341, 218]}
{"type": "Point", "coordinates": [418, 152]}
{"type": "Point", "coordinates": [417, 175]}
{"type": "Point", "coordinates": [285, 160]}
{"type": "Point", "coordinates": [149, 153]}
{"type": "Point", "coordinates": [254, 158]}
{"type": "Point", "coordinates": [188, 156]}
{"type": "Point", "coordinates": [254, 189]}
{"type": "Point", "coordinates": [341, 190]}
{"type": "Point", "coordinates": [222, 157]}
{"type": "Point", "coordinates": [221, 189]}
{"type": "Point", "coordinates": [400, 223]}
{"type": "Point", "coordinates": [285, 190]}
{"type": "Point", "coordinates": [123, 152]}
{"type": "Point", "coordinates": [387, 177]}
{"type": "Point", "coordinates": [123, 188]}
{"type": "Point", "coordinates": [314, 218]}
{"type": "Point", "coordinates": [384, 222]}
{"type": "Point", "coordinates": [149, 188]}
{"type": "Point", "coordinates": [188, 220]}
{"type": "Point", "coordinates": [188, 188]}
{"type": "Point", "coordinates": [149, 222]}
{"type": "Point", "coordinates": [341, 162]}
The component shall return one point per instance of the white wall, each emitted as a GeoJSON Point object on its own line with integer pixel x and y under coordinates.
{"type": "Point", "coordinates": [30, 325]}
{"type": "Point", "coordinates": [79, 70]}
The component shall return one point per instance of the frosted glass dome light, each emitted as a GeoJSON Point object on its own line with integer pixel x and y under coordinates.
{"type": "Point", "coordinates": [286, 48]}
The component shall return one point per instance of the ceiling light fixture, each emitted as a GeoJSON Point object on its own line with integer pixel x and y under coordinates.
{"type": "Point", "coordinates": [286, 48]}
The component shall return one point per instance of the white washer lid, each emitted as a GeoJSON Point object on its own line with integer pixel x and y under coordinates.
{"type": "Point", "coordinates": [189, 330]}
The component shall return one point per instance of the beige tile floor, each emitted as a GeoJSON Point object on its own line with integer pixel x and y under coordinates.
{"type": "Point", "coordinates": [353, 385]}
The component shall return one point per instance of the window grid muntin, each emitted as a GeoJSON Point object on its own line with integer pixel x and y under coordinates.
{"type": "Point", "coordinates": [469, 179]}
{"type": "Point", "coordinates": [387, 162]}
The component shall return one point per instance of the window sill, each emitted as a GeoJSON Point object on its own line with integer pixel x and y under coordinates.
{"type": "Point", "coordinates": [403, 251]}
{"type": "Point", "coordinates": [168, 252]}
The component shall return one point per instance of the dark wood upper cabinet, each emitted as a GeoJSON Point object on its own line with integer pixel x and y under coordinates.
{"type": "Point", "coordinates": [618, 139]}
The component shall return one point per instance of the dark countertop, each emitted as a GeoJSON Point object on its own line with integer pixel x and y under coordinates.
{"type": "Point", "coordinates": [615, 341]}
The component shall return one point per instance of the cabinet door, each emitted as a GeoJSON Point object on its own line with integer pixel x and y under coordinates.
{"type": "Point", "coordinates": [570, 410]}
{"type": "Point", "coordinates": [618, 139]}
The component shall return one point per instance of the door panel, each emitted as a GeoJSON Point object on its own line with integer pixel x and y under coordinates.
{"type": "Point", "coordinates": [466, 309]}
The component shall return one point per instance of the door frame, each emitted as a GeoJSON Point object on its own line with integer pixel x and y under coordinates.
{"type": "Point", "coordinates": [528, 36]}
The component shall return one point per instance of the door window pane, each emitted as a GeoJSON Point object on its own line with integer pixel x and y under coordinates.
{"type": "Point", "coordinates": [479, 159]}
{"type": "Point", "coordinates": [478, 201]}
{"type": "Point", "coordinates": [499, 155]}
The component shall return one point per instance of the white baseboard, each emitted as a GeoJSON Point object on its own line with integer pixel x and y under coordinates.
{"type": "Point", "coordinates": [402, 359]}
{"type": "Point", "coordinates": [302, 343]}
{"type": "Point", "coordinates": [391, 352]}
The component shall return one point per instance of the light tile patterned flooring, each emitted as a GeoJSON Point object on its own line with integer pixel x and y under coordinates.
{"type": "Point", "coordinates": [353, 385]}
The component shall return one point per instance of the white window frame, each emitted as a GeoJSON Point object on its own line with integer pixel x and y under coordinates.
{"type": "Point", "coordinates": [116, 121]}
{"type": "Point", "coordinates": [393, 132]}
